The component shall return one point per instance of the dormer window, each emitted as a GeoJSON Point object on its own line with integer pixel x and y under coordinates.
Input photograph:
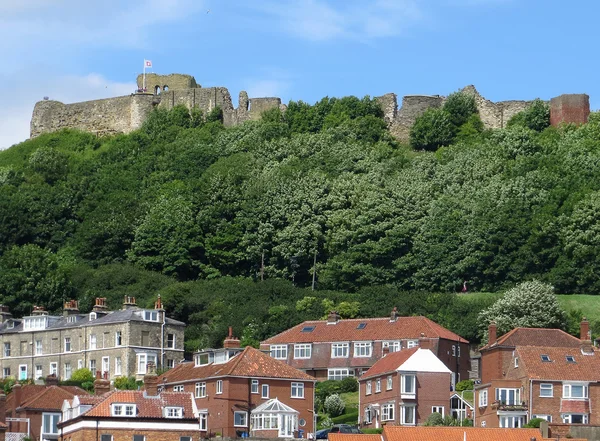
{"type": "Point", "coordinates": [173, 412]}
{"type": "Point", "coordinates": [10, 325]}
{"type": "Point", "coordinates": [31, 323]}
{"type": "Point", "coordinates": [151, 316]}
{"type": "Point", "coordinates": [204, 358]}
{"type": "Point", "coordinates": [93, 316]}
{"type": "Point", "coordinates": [124, 410]}
{"type": "Point", "coordinates": [73, 318]}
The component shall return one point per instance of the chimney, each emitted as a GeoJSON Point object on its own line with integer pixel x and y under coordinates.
{"type": "Point", "coordinates": [101, 384]}
{"type": "Point", "coordinates": [52, 380]}
{"type": "Point", "coordinates": [151, 381]}
{"type": "Point", "coordinates": [230, 341]}
{"type": "Point", "coordinates": [584, 330]}
{"type": "Point", "coordinates": [4, 313]}
{"type": "Point", "coordinates": [129, 303]}
{"type": "Point", "coordinates": [2, 407]}
{"type": "Point", "coordinates": [394, 315]}
{"type": "Point", "coordinates": [17, 390]}
{"type": "Point", "coordinates": [71, 308]}
{"type": "Point", "coordinates": [39, 310]}
{"type": "Point", "coordinates": [426, 343]}
{"type": "Point", "coordinates": [100, 304]}
{"type": "Point", "coordinates": [333, 318]}
{"type": "Point", "coordinates": [492, 337]}
{"type": "Point", "coordinates": [385, 351]}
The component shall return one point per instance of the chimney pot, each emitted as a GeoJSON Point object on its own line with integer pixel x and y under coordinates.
{"type": "Point", "coordinates": [230, 341]}
{"type": "Point", "coordinates": [333, 318]}
{"type": "Point", "coordinates": [492, 330]}
{"type": "Point", "coordinates": [584, 330]}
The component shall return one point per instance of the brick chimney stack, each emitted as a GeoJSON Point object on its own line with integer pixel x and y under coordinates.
{"type": "Point", "coordinates": [385, 351]}
{"type": "Point", "coordinates": [333, 318]}
{"type": "Point", "coordinates": [100, 304]}
{"type": "Point", "coordinates": [4, 313]}
{"type": "Point", "coordinates": [17, 390]}
{"type": "Point", "coordinates": [394, 315]}
{"type": "Point", "coordinates": [52, 380]}
{"type": "Point", "coordinates": [129, 302]}
{"type": "Point", "coordinates": [101, 383]}
{"type": "Point", "coordinates": [39, 310]}
{"type": "Point", "coordinates": [230, 341]}
{"type": "Point", "coordinates": [2, 407]}
{"type": "Point", "coordinates": [584, 330]}
{"type": "Point", "coordinates": [492, 330]}
{"type": "Point", "coordinates": [71, 308]}
{"type": "Point", "coordinates": [151, 381]}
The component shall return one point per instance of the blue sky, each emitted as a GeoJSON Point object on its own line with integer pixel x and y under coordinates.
{"type": "Point", "coordinates": [73, 50]}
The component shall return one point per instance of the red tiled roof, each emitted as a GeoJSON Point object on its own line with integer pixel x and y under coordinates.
{"type": "Point", "coordinates": [403, 433]}
{"type": "Point", "coordinates": [584, 368]}
{"type": "Point", "coordinates": [248, 363]}
{"type": "Point", "coordinates": [353, 437]}
{"type": "Point", "coordinates": [147, 407]}
{"type": "Point", "coordinates": [90, 400]}
{"type": "Point", "coordinates": [389, 363]}
{"type": "Point", "coordinates": [536, 337]}
{"type": "Point", "coordinates": [52, 397]}
{"type": "Point", "coordinates": [375, 329]}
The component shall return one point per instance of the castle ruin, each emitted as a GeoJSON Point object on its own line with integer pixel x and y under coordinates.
{"type": "Point", "coordinates": [127, 113]}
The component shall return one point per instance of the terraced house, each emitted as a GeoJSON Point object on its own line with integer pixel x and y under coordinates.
{"type": "Point", "coordinates": [334, 348]}
{"type": "Point", "coordinates": [115, 343]}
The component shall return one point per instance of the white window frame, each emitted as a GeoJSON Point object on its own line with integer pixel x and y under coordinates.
{"type": "Point", "coordinates": [39, 371]}
{"type": "Point", "coordinates": [279, 352]}
{"type": "Point", "coordinates": [123, 410]}
{"type": "Point", "coordinates": [93, 366]}
{"type": "Point", "coordinates": [105, 364]}
{"type": "Point", "coordinates": [6, 372]}
{"type": "Point", "coordinates": [517, 395]}
{"type": "Point", "coordinates": [340, 350]}
{"type": "Point", "coordinates": [483, 398]}
{"type": "Point", "coordinates": [454, 350]}
{"type": "Point", "coordinates": [408, 379]}
{"type": "Point", "coordinates": [390, 383]}
{"type": "Point", "coordinates": [68, 346]}
{"type": "Point", "coordinates": [387, 411]}
{"type": "Point", "coordinates": [200, 389]}
{"type": "Point", "coordinates": [567, 418]}
{"type": "Point", "coordinates": [392, 345]}
{"type": "Point", "coordinates": [39, 347]}
{"type": "Point", "coordinates": [302, 351]}
{"type": "Point", "coordinates": [67, 370]}
{"type": "Point", "coordinates": [368, 415]}
{"type": "Point", "coordinates": [219, 387]}
{"type": "Point", "coordinates": [339, 373]}
{"type": "Point", "coordinates": [254, 387]}
{"type": "Point", "coordinates": [143, 358]}
{"type": "Point", "coordinates": [544, 417]}
{"type": "Point", "coordinates": [54, 368]}
{"type": "Point", "coordinates": [6, 350]}
{"type": "Point", "coordinates": [174, 412]}
{"type": "Point", "coordinates": [203, 420]}
{"type": "Point", "coordinates": [368, 388]}
{"type": "Point", "coordinates": [412, 344]}
{"type": "Point", "coordinates": [378, 385]}
{"type": "Point", "coordinates": [438, 409]}
{"type": "Point", "coordinates": [568, 391]}
{"type": "Point", "coordinates": [503, 419]}
{"type": "Point", "coordinates": [93, 342]}
{"type": "Point", "coordinates": [546, 390]}
{"type": "Point", "coordinates": [151, 316]}
{"type": "Point", "coordinates": [363, 349]}
{"type": "Point", "coordinates": [178, 388]}
{"type": "Point", "coordinates": [172, 344]}
{"type": "Point", "coordinates": [297, 390]}
{"type": "Point", "coordinates": [118, 366]}
{"type": "Point", "coordinates": [516, 362]}
{"type": "Point", "coordinates": [52, 416]}
{"type": "Point", "coordinates": [403, 412]}
{"type": "Point", "coordinates": [264, 391]}
{"type": "Point", "coordinates": [118, 338]}
{"type": "Point", "coordinates": [243, 416]}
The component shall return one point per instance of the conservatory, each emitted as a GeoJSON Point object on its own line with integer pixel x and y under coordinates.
{"type": "Point", "coordinates": [274, 419]}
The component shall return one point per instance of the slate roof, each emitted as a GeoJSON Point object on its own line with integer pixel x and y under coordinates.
{"type": "Point", "coordinates": [248, 363]}
{"type": "Point", "coordinates": [389, 363]}
{"type": "Point", "coordinates": [535, 337]}
{"type": "Point", "coordinates": [148, 407]}
{"type": "Point", "coordinates": [584, 368]}
{"type": "Point", "coordinates": [405, 433]}
{"type": "Point", "coordinates": [375, 329]}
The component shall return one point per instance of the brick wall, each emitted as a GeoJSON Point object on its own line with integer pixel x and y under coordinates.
{"type": "Point", "coordinates": [127, 435]}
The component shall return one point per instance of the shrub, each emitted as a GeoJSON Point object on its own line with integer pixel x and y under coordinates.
{"type": "Point", "coordinates": [534, 423]}
{"type": "Point", "coordinates": [460, 106]}
{"type": "Point", "coordinates": [127, 383]}
{"type": "Point", "coordinates": [326, 422]}
{"type": "Point", "coordinates": [349, 384]}
{"type": "Point", "coordinates": [372, 431]}
{"type": "Point", "coordinates": [432, 130]}
{"type": "Point", "coordinates": [334, 405]}
{"type": "Point", "coordinates": [435, 419]}
{"type": "Point", "coordinates": [464, 385]}
{"type": "Point", "coordinates": [82, 375]}
{"type": "Point", "coordinates": [535, 117]}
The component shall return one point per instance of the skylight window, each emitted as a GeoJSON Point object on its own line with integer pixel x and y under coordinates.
{"type": "Point", "coordinates": [308, 329]}
{"type": "Point", "coordinates": [546, 358]}
{"type": "Point", "coordinates": [362, 325]}
{"type": "Point", "coordinates": [570, 359]}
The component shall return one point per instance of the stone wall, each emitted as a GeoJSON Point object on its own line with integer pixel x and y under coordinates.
{"type": "Point", "coordinates": [166, 82]}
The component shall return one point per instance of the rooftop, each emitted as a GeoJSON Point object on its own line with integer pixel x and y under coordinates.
{"type": "Point", "coordinates": [535, 337]}
{"type": "Point", "coordinates": [578, 367]}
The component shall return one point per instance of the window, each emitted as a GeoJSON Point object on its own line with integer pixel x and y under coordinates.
{"type": "Point", "coordinates": [362, 325]}
{"type": "Point", "coordinates": [483, 398]}
{"type": "Point", "coordinates": [31, 323]}
{"type": "Point", "coordinates": [339, 350]}
{"type": "Point", "coordinates": [178, 388]}
{"type": "Point", "coordinates": [118, 338]}
{"type": "Point", "coordinates": [264, 391]}
{"type": "Point", "coordinates": [516, 362]}
{"type": "Point", "coordinates": [339, 374]}
{"type": "Point", "coordinates": [92, 341]}
{"type": "Point", "coordinates": [363, 349]}
{"type": "Point", "coordinates": [546, 358]}
{"type": "Point", "coordinates": [264, 421]}
{"type": "Point", "coordinates": [546, 390]}
{"type": "Point", "coordinates": [67, 371]}
{"type": "Point", "coordinates": [139, 438]}
{"type": "Point", "coordinates": [575, 418]}
{"type": "Point", "coordinates": [7, 349]}
{"type": "Point", "coordinates": [105, 365]}
{"type": "Point", "coordinates": [508, 396]}
{"type": "Point", "coordinates": [171, 341]}
{"type": "Point", "coordinates": [143, 360]}
{"type": "Point", "coordinates": [412, 343]}
{"type": "Point", "coordinates": [240, 419]}
{"type": "Point", "coordinates": [390, 383]}
{"type": "Point", "coordinates": [368, 388]}
{"type": "Point", "coordinates": [544, 417]}
{"type": "Point", "coordinates": [174, 412]}
{"type": "Point", "coordinates": [67, 344]}
{"type": "Point", "coordinates": [219, 387]}
{"type": "Point", "coordinates": [54, 369]}
{"type": "Point", "coordinates": [79, 364]}
{"type": "Point", "coordinates": [201, 389]}
{"type": "Point", "coordinates": [254, 387]}
{"type": "Point", "coordinates": [387, 412]}
{"type": "Point", "coordinates": [570, 359]}
{"type": "Point", "coordinates": [93, 367]}
{"type": "Point", "coordinates": [408, 384]}
{"type": "Point", "coordinates": [454, 350]}
{"type": "Point", "coordinates": [279, 352]}
{"type": "Point", "coordinates": [575, 391]}
{"type": "Point", "coordinates": [512, 422]}
{"type": "Point", "coordinates": [368, 416]}
{"type": "Point", "coordinates": [438, 409]}
{"type": "Point", "coordinates": [170, 363]}
{"type": "Point", "coordinates": [378, 385]}
{"type": "Point", "coordinates": [308, 329]}
{"type": "Point", "coordinates": [49, 422]}
{"type": "Point", "coordinates": [297, 390]}
{"type": "Point", "coordinates": [38, 347]}
{"type": "Point", "coordinates": [6, 372]}
{"type": "Point", "coordinates": [130, 410]}
{"type": "Point", "coordinates": [302, 351]}
{"type": "Point", "coordinates": [151, 316]}
{"type": "Point", "coordinates": [393, 346]}
{"type": "Point", "coordinates": [118, 366]}
{"type": "Point", "coordinates": [407, 415]}
{"type": "Point", "coordinates": [105, 437]}
{"type": "Point", "coordinates": [38, 371]}
{"type": "Point", "coordinates": [203, 423]}
{"type": "Point", "coordinates": [10, 325]}
{"type": "Point", "coordinates": [73, 319]}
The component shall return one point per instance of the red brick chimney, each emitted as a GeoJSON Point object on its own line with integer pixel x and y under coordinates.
{"type": "Point", "coordinates": [385, 351]}
{"type": "Point", "coordinates": [584, 330]}
{"type": "Point", "coordinates": [129, 302]}
{"type": "Point", "coordinates": [333, 318]}
{"type": "Point", "coordinates": [2, 407]}
{"type": "Point", "coordinates": [394, 315]}
{"type": "Point", "coordinates": [100, 304]}
{"type": "Point", "coordinates": [71, 307]}
{"type": "Point", "coordinates": [101, 383]}
{"type": "Point", "coordinates": [17, 390]}
{"type": "Point", "coordinates": [151, 381]}
{"type": "Point", "coordinates": [492, 337]}
{"type": "Point", "coordinates": [52, 380]}
{"type": "Point", "coordinates": [230, 341]}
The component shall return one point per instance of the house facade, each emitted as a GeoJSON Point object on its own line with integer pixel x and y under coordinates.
{"type": "Point", "coordinates": [245, 391]}
{"type": "Point", "coordinates": [119, 343]}
{"type": "Point", "coordinates": [404, 388]}
{"type": "Point", "coordinates": [538, 373]}
{"type": "Point", "coordinates": [335, 348]}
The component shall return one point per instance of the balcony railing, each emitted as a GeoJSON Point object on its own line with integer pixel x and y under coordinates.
{"type": "Point", "coordinates": [512, 407]}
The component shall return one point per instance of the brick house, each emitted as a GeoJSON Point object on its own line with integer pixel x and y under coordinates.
{"type": "Point", "coordinates": [335, 348]}
{"type": "Point", "coordinates": [34, 410]}
{"type": "Point", "coordinates": [544, 373]}
{"type": "Point", "coordinates": [404, 388]}
{"type": "Point", "coordinates": [245, 391]}
{"type": "Point", "coordinates": [125, 415]}
{"type": "Point", "coordinates": [120, 343]}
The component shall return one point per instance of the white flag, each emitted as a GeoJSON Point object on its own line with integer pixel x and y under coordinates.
{"type": "Point", "coordinates": [147, 63]}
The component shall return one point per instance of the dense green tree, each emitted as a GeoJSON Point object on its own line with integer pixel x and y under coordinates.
{"type": "Point", "coordinates": [432, 130]}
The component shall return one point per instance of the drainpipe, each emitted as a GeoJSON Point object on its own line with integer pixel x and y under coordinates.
{"type": "Point", "coordinates": [530, 398]}
{"type": "Point", "coordinates": [162, 342]}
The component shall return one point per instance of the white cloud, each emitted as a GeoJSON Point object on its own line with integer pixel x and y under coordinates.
{"type": "Point", "coordinates": [15, 114]}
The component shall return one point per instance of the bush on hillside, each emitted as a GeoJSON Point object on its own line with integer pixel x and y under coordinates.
{"type": "Point", "coordinates": [432, 130]}
{"type": "Point", "coordinates": [349, 384]}
{"type": "Point", "coordinates": [535, 117]}
{"type": "Point", "coordinates": [334, 405]}
{"type": "Point", "coordinates": [460, 106]}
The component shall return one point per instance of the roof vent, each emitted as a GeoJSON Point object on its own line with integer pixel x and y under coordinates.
{"type": "Point", "coordinates": [308, 329]}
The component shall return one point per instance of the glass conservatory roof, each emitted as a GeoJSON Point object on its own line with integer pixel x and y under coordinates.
{"type": "Point", "coordinates": [274, 406]}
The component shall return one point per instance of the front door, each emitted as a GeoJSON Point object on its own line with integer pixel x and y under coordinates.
{"type": "Point", "coordinates": [286, 426]}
